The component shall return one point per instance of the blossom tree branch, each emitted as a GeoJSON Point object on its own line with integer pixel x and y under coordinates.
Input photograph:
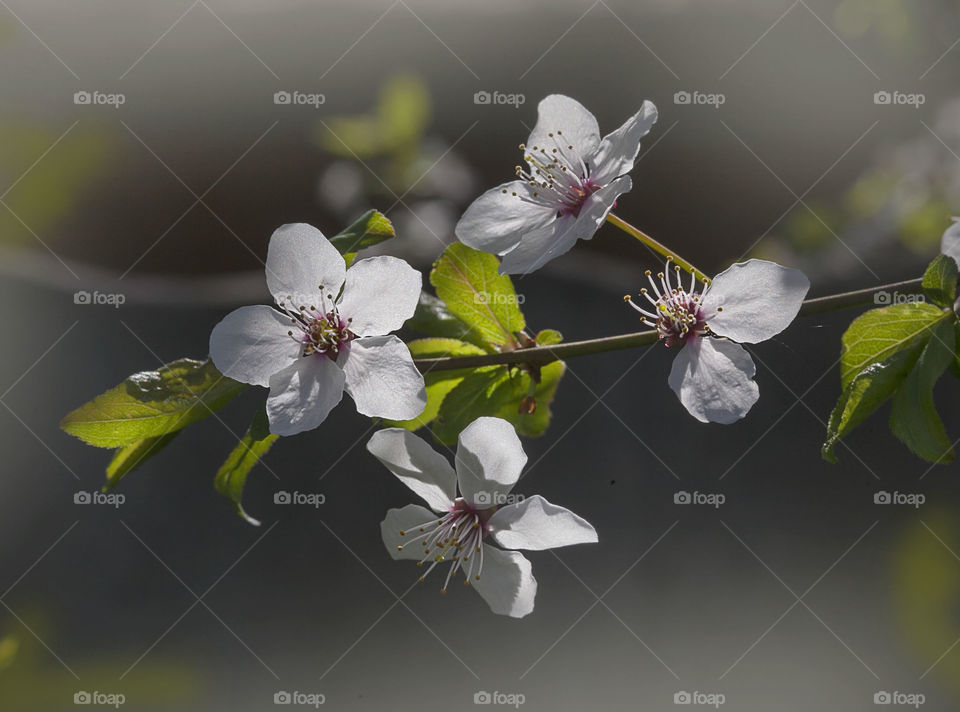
{"type": "Point", "coordinates": [541, 355]}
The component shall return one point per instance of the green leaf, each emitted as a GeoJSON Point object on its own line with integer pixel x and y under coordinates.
{"type": "Point", "coordinates": [914, 418]}
{"type": "Point", "coordinates": [127, 459]}
{"type": "Point", "coordinates": [232, 475]}
{"type": "Point", "coordinates": [438, 383]}
{"type": "Point", "coordinates": [940, 281]}
{"type": "Point", "coordinates": [548, 337]}
{"type": "Point", "coordinates": [369, 229]}
{"type": "Point", "coordinates": [866, 392]}
{"type": "Point", "coordinates": [152, 403]}
{"type": "Point", "coordinates": [502, 392]}
{"type": "Point", "coordinates": [474, 291]}
{"type": "Point", "coordinates": [475, 395]}
{"type": "Point", "coordinates": [879, 333]}
{"type": "Point", "coordinates": [536, 423]}
{"type": "Point", "coordinates": [434, 319]}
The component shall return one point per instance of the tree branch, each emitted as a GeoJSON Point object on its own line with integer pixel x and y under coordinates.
{"type": "Point", "coordinates": [541, 355]}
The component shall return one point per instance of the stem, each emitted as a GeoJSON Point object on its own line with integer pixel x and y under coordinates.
{"type": "Point", "coordinates": [540, 355]}
{"type": "Point", "coordinates": [657, 246]}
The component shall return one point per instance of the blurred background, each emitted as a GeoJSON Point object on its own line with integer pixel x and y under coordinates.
{"type": "Point", "coordinates": [150, 149]}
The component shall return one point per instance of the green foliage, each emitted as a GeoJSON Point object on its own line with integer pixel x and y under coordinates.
{"type": "Point", "coordinates": [152, 403]}
{"type": "Point", "coordinates": [371, 228]}
{"type": "Point", "coordinates": [940, 281]}
{"type": "Point", "coordinates": [432, 317]}
{"type": "Point", "coordinates": [880, 333]}
{"type": "Point", "coordinates": [232, 475]}
{"type": "Point", "coordinates": [868, 390]}
{"type": "Point", "coordinates": [900, 352]}
{"type": "Point", "coordinates": [548, 337]}
{"type": "Point", "coordinates": [532, 424]}
{"type": "Point", "coordinates": [129, 458]}
{"type": "Point", "coordinates": [473, 290]}
{"type": "Point", "coordinates": [914, 418]}
{"type": "Point", "coordinates": [477, 312]}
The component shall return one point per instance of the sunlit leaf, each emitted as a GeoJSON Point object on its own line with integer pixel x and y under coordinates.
{"type": "Point", "coordinates": [232, 475]}
{"type": "Point", "coordinates": [548, 337]}
{"type": "Point", "coordinates": [468, 282]}
{"type": "Point", "coordinates": [940, 281]}
{"type": "Point", "coordinates": [434, 319]}
{"type": "Point", "coordinates": [879, 333]}
{"type": "Point", "coordinates": [127, 459]}
{"type": "Point", "coordinates": [152, 403]}
{"type": "Point", "coordinates": [371, 228]}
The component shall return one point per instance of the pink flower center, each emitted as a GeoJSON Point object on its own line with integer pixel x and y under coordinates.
{"type": "Point", "coordinates": [678, 313]}
{"type": "Point", "coordinates": [320, 330]}
{"type": "Point", "coordinates": [457, 536]}
{"type": "Point", "coordinates": [559, 174]}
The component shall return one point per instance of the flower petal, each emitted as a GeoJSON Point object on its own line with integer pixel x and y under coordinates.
{"type": "Point", "coordinates": [379, 294]}
{"type": "Point", "coordinates": [382, 379]}
{"type": "Point", "coordinates": [506, 582]}
{"type": "Point", "coordinates": [497, 220]}
{"type": "Point", "coordinates": [542, 245]}
{"type": "Point", "coordinates": [302, 394]}
{"type": "Point", "coordinates": [755, 300]}
{"type": "Point", "coordinates": [299, 260]}
{"type": "Point", "coordinates": [950, 242]}
{"type": "Point", "coordinates": [535, 524]}
{"type": "Point", "coordinates": [408, 519]}
{"type": "Point", "coordinates": [569, 122]}
{"type": "Point", "coordinates": [714, 380]}
{"type": "Point", "coordinates": [489, 460]}
{"type": "Point", "coordinates": [250, 344]}
{"type": "Point", "coordinates": [417, 465]}
{"type": "Point", "coordinates": [619, 149]}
